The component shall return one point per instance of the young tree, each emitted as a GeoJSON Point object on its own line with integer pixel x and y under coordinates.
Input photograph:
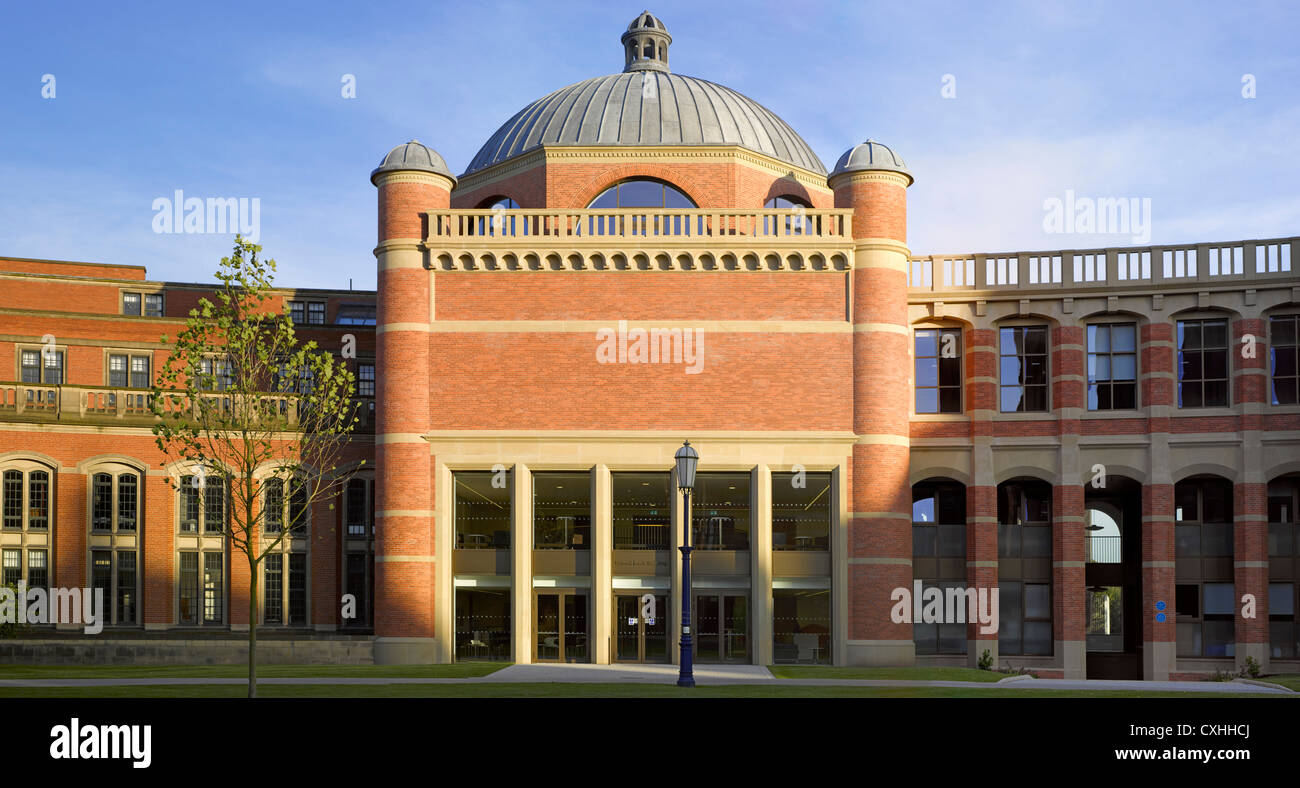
{"type": "Point", "coordinates": [252, 415]}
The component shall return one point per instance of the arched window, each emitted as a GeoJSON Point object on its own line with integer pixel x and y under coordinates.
{"type": "Point", "coordinates": [202, 513]}
{"type": "Point", "coordinates": [797, 223]}
{"type": "Point", "coordinates": [1025, 567]}
{"type": "Point", "coordinates": [116, 507]}
{"type": "Point", "coordinates": [499, 202]}
{"type": "Point", "coordinates": [27, 544]}
{"type": "Point", "coordinates": [938, 557]}
{"type": "Point", "coordinates": [642, 193]}
{"type": "Point", "coordinates": [284, 569]}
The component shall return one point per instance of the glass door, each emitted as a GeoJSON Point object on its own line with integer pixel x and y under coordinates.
{"type": "Point", "coordinates": [721, 628]}
{"type": "Point", "coordinates": [640, 636]}
{"type": "Point", "coordinates": [561, 626]}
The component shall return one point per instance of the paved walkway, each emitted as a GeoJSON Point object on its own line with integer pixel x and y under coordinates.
{"type": "Point", "coordinates": [667, 674]}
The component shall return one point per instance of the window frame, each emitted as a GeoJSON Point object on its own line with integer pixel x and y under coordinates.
{"type": "Point", "coordinates": [1046, 386]}
{"type": "Point", "coordinates": [939, 386]}
{"type": "Point", "coordinates": [1111, 382]}
{"type": "Point", "coordinates": [1294, 347]}
{"type": "Point", "coordinates": [1226, 350]}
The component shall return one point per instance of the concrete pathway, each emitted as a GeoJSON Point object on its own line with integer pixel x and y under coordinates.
{"type": "Point", "coordinates": [667, 674]}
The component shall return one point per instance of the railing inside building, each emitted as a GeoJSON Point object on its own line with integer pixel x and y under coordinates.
{"type": "Point", "coordinates": [1207, 263]}
{"type": "Point", "coordinates": [612, 225]}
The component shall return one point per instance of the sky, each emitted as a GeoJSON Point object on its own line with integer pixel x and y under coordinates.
{"type": "Point", "coordinates": [998, 108]}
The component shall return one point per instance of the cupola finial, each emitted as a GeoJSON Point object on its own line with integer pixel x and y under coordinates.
{"type": "Point", "coordinates": [645, 44]}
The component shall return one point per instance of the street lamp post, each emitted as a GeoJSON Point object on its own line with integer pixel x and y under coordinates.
{"type": "Point", "coordinates": [687, 459]}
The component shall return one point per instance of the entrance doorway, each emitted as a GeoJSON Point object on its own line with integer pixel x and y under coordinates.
{"type": "Point", "coordinates": [562, 629]}
{"type": "Point", "coordinates": [721, 627]}
{"type": "Point", "coordinates": [1113, 580]}
{"type": "Point", "coordinates": [640, 629]}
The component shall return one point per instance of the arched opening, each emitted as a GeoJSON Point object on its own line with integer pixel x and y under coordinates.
{"type": "Point", "coordinates": [939, 558]}
{"type": "Point", "coordinates": [1283, 567]}
{"type": "Point", "coordinates": [1025, 567]}
{"type": "Point", "coordinates": [1112, 531]}
{"type": "Point", "coordinates": [1204, 594]}
{"type": "Point", "coordinates": [796, 223]}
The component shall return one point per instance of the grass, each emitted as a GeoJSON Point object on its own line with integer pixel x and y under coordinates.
{"type": "Point", "coordinates": [557, 690]}
{"type": "Point", "coordinates": [1288, 680]}
{"type": "Point", "coordinates": [892, 674]}
{"type": "Point", "coordinates": [456, 670]}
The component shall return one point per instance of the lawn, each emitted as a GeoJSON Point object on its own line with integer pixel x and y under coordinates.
{"type": "Point", "coordinates": [890, 674]}
{"type": "Point", "coordinates": [509, 690]}
{"type": "Point", "coordinates": [1288, 680]}
{"type": "Point", "coordinates": [456, 670]}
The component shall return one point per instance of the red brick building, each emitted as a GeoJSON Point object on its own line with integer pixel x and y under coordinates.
{"type": "Point", "coordinates": [1108, 437]}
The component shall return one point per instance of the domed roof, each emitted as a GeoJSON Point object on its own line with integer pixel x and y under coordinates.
{"type": "Point", "coordinates": [870, 155]}
{"type": "Point", "coordinates": [646, 105]}
{"type": "Point", "coordinates": [413, 156]}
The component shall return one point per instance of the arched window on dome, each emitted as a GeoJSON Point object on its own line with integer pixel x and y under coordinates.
{"type": "Point", "coordinates": [797, 223]}
{"type": "Point", "coordinates": [640, 193]}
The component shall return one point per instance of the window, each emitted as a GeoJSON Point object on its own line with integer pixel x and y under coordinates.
{"type": "Point", "coordinates": [128, 371]}
{"type": "Point", "coordinates": [213, 587]}
{"type": "Point", "coordinates": [642, 510]}
{"type": "Point", "coordinates": [131, 303]}
{"type": "Point", "coordinates": [642, 193]}
{"type": "Point", "coordinates": [26, 499]}
{"type": "Point", "coordinates": [1023, 368]}
{"type": "Point", "coordinates": [938, 553]}
{"type": "Point", "coordinates": [797, 223]}
{"type": "Point", "coordinates": [482, 509]}
{"type": "Point", "coordinates": [115, 517]}
{"type": "Point", "coordinates": [562, 511]}
{"type": "Point", "coordinates": [273, 594]}
{"type": "Point", "coordinates": [113, 572]}
{"type": "Point", "coordinates": [938, 370]}
{"type": "Point", "coordinates": [13, 567]}
{"type": "Point", "coordinates": [1203, 601]}
{"type": "Point", "coordinates": [499, 202]}
{"type": "Point", "coordinates": [297, 589]}
{"type": "Point", "coordinates": [35, 370]}
{"type": "Point", "coordinates": [801, 511]}
{"type": "Point", "coordinates": [1202, 363]}
{"type": "Point", "coordinates": [483, 624]}
{"type": "Point", "coordinates": [278, 511]}
{"type": "Point", "coordinates": [298, 311]}
{"type": "Point", "coordinates": [1025, 567]}
{"type": "Point", "coordinates": [355, 315]}
{"type": "Point", "coordinates": [359, 557]}
{"type": "Point", "coordinates": [359, 508]}
{"type": "Point", "coordinates": [1112, 366]}
{"type": "Point", "coordinates": [365, 380]}
{"type": "Point", "coordinates": [316, 313]}
{"type": "Point", "coordinates": [801, 626]}
{"type": "Point", "coordinates": [202, 504]}
{"type": "Point", "coordinates": [188, 588]}
{"type": "Point", "coordinates": [38, 569]}
{"type": "Point", "coordinates": [153, 304]}
{"type": "Point", "coordinates": [1283, 626]}
{"type": "Point", "coordinates": [215, 374]}
{"type": "Point", "coordinates": [1284, 366]}
{"type": "Point", "coordinates": [279, 598]}
{"type": "Point", "coordinates": [720, 511]}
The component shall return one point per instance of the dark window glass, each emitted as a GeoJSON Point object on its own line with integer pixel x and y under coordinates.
{"type": "Point", "coordinates": [797, 223]}
{"type": "Point", "coordinates": [214, 505]}
{"type": "Point", "coordinates": [38, 500]}
{"type": "Point", "coordinates": [298, 311]}
{"type": "Point", "coordinates": [189, 505]}
{"type": "Point", "coordinates": [1202, 363]}
{"type": "Point", "coordinates": [642, 193]}
{"type": "Point", "coordinates": [355, 577]}
{"type": "Point", "coordinates": [101, 574]}
{"type": "Point", "coordinates": [273, 492]}
{"type": "Point", "coordinates": [117, 374]}
{"type": "Point", "coordinates": [316, 313]}
{"type": "Point", "coordinates": [801, 511]}
{"type": "Point", "coordinates": [939, 520]}
{"type": "Point", "coordinates": [153, 304]}
{"type": "Point", "coordinates": [801, 626]}
{"type": "Point", "coordinates": [12, 567]}
{"type": "Point", "coordinates": [355, 315]}
{"type": "Point", "coordinates": [562, 511]}
{"type": "Point", "coordinates": [53, 367]}
{"type": "Point", "coordinates": [355, 508]}
{"type": "Point", "coordinates": [720, 511]}
{"type": "Point", "coordinates": [31, 366]}
{"type": "Point", "coordinates": [131, 303]}
{"type": "Point", "coordinates": [1284, 364]}
{"type": "Point", "coordinates": [298, 588]}
{"type": "Point", "coordinates": [365, 380]}
{"type": "Point", "coordinates": [126, 594]}
{"type": "Point", "coordinates": [938, 370]}
{"type": "Point", "coordinates": [38, 569]}
{"type": "Point", "coordinates": [483, 624]}
{"type": "Point", "coordinates": [128, 486]}
{"type": "Point", "coordinates": [139, 372]}
{"type": "Point", "coordinates": [642, 510]}
{"type": "Point", "coordinates": [274, 593]}
{"type": "Point", "coordinates": [13, 499]}
{"type": "Point", "coordinates": [298, 514]}
{"type": "Point", "coordinates": [1112, 366]}
{"type": "Point", "coordinates": [482, 513]}
{"type": "Point", "coordinates": [1023, 368]}
{"type": "Point", "coordinates": [189, 588]}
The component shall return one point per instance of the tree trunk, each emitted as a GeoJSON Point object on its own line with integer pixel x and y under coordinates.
{"type": "Point", "coordinates": [252, 629]}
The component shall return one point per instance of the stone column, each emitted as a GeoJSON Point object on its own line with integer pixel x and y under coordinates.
{"type": "Point", "coordinates": [760, 546]}
{"type": "Point", "coordinates": [602, 566]}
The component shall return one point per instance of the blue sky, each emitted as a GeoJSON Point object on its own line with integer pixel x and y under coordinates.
{"type": "Point", "coordinates": [234, 99]}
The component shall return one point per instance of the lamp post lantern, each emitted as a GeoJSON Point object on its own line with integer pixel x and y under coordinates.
{"type": "Point", "coordinates": [687, 458]}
